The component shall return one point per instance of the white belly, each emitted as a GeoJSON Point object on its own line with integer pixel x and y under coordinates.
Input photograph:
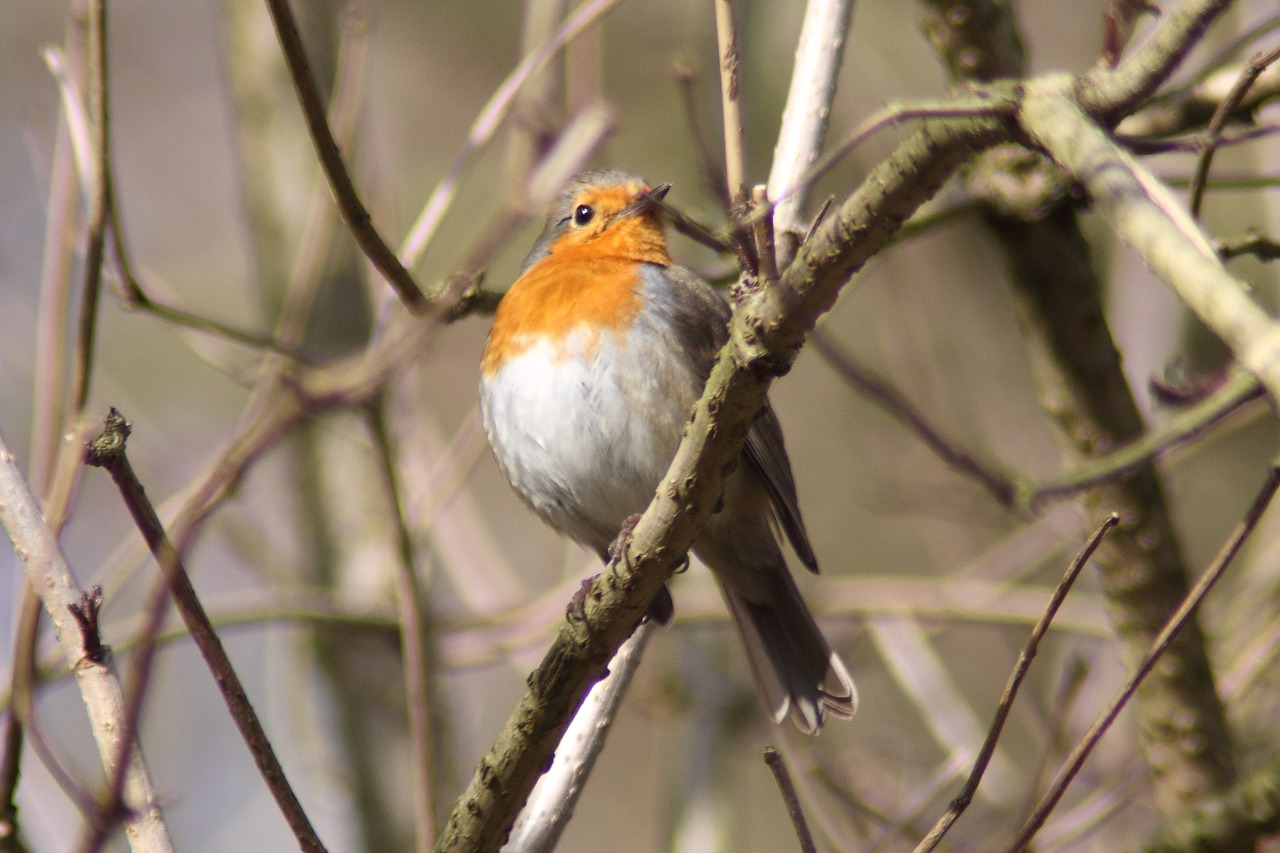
{"type": "Point", "coordinates": [586, 432]}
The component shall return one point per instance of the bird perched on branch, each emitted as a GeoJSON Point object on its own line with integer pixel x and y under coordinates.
{"type": "Point", "coordinates": [595, 359]}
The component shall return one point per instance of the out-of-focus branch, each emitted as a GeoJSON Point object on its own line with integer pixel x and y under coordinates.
{"type": "Point", "coordinates": [1146, 216]}
{"type": "Point", "coordinates": [108, 452]}
{"type": "Point", "coordinates": [99, 190]}
{"type": "Point", "coordinates": [1244, 836]}
{"type": "Point", "coordinates": [344, 191]}
{"type": "Point", "coordinates": [551, 804]}
{"type": "Point", "coordinates": [1213, 134]}
{"type": "Point", "coordinates": [1251, 807]}
{"type": "Point", "coordinates": [1190, 109]}
{"type": "Point", "coordinates": [1079, 368]}
{"type": "Point", "coordinates": [807, 112]}
{"type": "Point", "coordinates": [418, 642]}
{"type": "Point", "coordinates": [1028, 653]}
{"type": "Point", "coordinates": [487, 123]}
{"type": "Point", "coordinates": [49, 574]}
{"type": "Point", "coordinates": [735, 157]}
{"type": "Point", "coordinates": [1107, 93]}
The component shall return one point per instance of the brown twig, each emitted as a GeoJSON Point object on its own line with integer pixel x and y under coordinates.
{"type": "Point", "coordinates": [1175, 623]}
{"type": "Point", "coordinates": [1260, 247]}
{"type": "Point", "coordinates": [420, 663]}
{"type": "Point", "coordinates": [1002, 487]}
{"type": "Point", "coordinates": [489, 120]}
{"type": "Point", "coordinates": [789, 798]}
{"type": "Point", "coordinates": [108, 452]}
{"type": "Point", "coordinates": [1028, 653]}
{"type": "Point", "coordinates": [709, 165]}
{"type": "Point", "coordinates": [95, 239]}
{"type": "Point", "coordinates": [353, 211]}
{"type": "Point", "coordinates": [1224, 111]}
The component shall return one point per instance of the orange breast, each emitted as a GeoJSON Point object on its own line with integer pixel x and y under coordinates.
{"type": "Point", "coordinates": [577, 285]}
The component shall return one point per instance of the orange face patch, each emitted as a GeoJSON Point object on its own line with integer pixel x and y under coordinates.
{"type": "Point", "coordinates": [589, 279]}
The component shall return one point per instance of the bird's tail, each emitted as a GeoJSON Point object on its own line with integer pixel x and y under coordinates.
{"type": "Point", "coordinates": [796, 672]}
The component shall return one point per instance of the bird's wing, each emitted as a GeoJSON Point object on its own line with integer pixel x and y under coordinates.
{"type": "Point", "coordinates": [693, 302]}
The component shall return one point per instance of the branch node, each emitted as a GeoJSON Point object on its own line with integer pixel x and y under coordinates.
{"type": "Point", "coordinates": [85, 612]}
{"type": "Point", "coordinates": [108, 448]}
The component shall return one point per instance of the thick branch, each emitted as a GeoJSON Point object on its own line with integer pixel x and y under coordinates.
{"type": "Point", "coordinates": [1185, 736]}
{"type": "Point", "coordinates": [765, 336]}
{"type": "Point", "coordinates": [1148, 218]}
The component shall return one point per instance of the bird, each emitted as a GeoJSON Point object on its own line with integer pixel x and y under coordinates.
{"type": "Point", "coordinates": [596, 355]}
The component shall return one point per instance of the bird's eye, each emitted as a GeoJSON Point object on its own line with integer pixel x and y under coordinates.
{"type": "Point", "coordinates": [583, 214]}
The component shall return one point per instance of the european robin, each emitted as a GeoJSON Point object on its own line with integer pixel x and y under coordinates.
{"type": "Point", "coordinates": [595, 359]}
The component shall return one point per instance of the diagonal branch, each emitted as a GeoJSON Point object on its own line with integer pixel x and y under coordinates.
{"type": "Point", "coordinates": [765, 336]}
{"type": "Point", "coordinates": [108, 452]}
{"type": "Point", "coordinates": [1244, 838]}
{"type": "Point", "coordinates": [1146, 216]}
{"type": "Point", "coordinates": [344, 191]}
{"type": "Point", "coordinates": [49, 574]}
{"type": "Point", "coordinates": [766, 332]}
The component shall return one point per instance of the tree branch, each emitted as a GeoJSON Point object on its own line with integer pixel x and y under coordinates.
{"type": "Point", "coordinates": [49, 574]}
{"type": "Point", "coordinates": [108, 452]}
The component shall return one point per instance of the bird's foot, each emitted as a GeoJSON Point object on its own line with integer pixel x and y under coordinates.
{"type": "Point", "coordinates": [619, 543]}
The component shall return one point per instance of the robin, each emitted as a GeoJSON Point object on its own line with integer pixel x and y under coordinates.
{"type": "Point", "coordinates": [595, 359]}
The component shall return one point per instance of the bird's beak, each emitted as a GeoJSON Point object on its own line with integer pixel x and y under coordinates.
{"type": "Point", "coordinates": [647, 200]}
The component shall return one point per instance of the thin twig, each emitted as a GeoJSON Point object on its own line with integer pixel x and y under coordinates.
{"type": "Point", "coordinates": [735, 158]}
{"type": "Point", "coordinates": [1028, 653]}
{"type": "Point", "coordinates": [1002, 487]}
{"type": "Point", "coordinates": [108, 451]}
{"type": "Point", "coordinates": [487, 123]}
{"type": "Point", "coordinates": [415, 640]}
{"type": "Point", "coordinates": [49, 574]}
{"type": "Point", "coordinates": [1261, 247]}
{"type": "Point", "coordinates": [1175, 623]}
{"type": "Point", "coordinates": [344, 191]}
{"type": "Point", "coordinates": [1219, 121]}
{"type": "Point", "coordinates": [709, 165]}
{"type": "Point", "coordinates": [1239, 388]}
{"type": "Point", "coordinates": [95, 239]}
{"type": "Point", "coordinates": [789, 798]}
{"type": "Point", "coordinates": [50, 363]}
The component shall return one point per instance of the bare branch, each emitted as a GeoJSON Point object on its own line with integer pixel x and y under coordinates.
{"type": "Point", "coordinates": [49, 574]}
{"type": "Point", "coordinates": [344, 191]}
{"type": "Point", "coordinates": [1028, 653]}
{"type": "Point", "coordinates": [550, 806]}
{"type": "Point", "coordinates": [789, 798]}
{"type": "Point", "coordinates": [1177, 620]}
{"type": "Point", "coordinates": [108, 451]}
{"type": "Point", "coordinates": [808, 108]}
{"type": "Point", "coordinates": [1217, 124]}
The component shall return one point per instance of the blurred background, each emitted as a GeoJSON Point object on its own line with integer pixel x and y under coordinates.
{"type": "Point", "coordinates": [928, 587]}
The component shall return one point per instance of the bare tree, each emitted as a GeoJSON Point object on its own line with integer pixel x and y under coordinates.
{"type": "Point", "coordinates": [1024, 246]}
